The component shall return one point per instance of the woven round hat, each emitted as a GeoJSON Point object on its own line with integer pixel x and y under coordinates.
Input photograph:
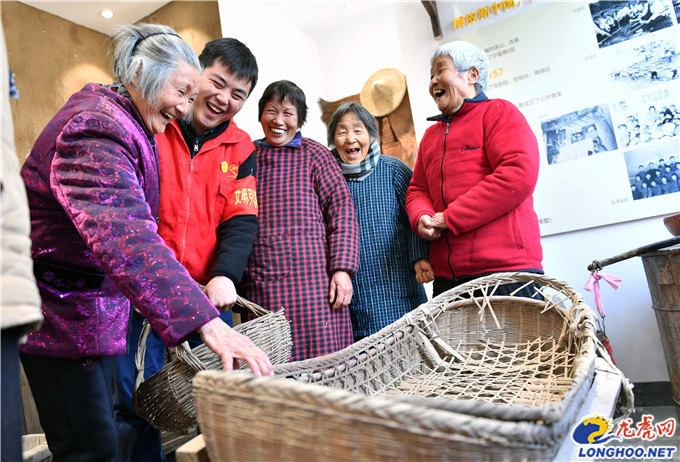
{"type": "Point", "coordinates": [383, 91]}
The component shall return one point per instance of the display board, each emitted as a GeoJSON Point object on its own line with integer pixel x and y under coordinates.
{"type": "Point", "coordinates": [598, 83]}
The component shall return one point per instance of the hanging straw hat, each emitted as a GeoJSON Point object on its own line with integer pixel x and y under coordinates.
{"type": "Point", "coordinates": [383, 91]}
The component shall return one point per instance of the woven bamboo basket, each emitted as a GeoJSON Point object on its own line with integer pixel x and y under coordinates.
{"type": "Point", "coordinates": [165, 399]}
{"type": "Point", "coordinates": [466, 376]}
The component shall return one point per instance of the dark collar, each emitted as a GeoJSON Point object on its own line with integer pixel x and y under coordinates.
{"type": "Point", "coordinates": [446, 118]}
{"type": "Point", "coordinates": [190, 134]}
{"type": "Point", "coordinates": [296, 142]}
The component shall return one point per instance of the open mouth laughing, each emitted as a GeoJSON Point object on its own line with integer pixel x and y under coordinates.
{"type": "Point", "coordinates": [214, 109]}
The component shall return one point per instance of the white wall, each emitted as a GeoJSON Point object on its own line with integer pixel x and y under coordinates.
{"type": "Point", "coordinates": [282, 52]}
{"type": "Point", "coordinates": [630, 320]}
{"type": "Point", "coordinates": [351, 52]}
{"type": "Point", "coordinates": [337, 63]}
{"type": "Point", "coordinates": [418, 44]}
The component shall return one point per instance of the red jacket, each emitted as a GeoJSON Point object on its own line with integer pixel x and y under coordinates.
{"type": "Point", "coordinates": [199, 194]}
{"type": "Point", "coordinates": [479, 168]}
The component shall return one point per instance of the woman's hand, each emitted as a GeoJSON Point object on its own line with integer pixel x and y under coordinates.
{"type": "Point", "coordinates": [230, 346]}
{"type": "Point", "coordinates": [340, 290]}
{"type": "Point", "coordinates": [430, 227]}
{"type": "Point", "coordinates": [221, 292]}
{"type": "Point", "coordinates": [438, 220]}
{"type": "Point", "coordinates": [424, 272]}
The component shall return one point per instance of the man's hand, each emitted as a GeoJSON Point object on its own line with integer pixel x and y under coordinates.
{"type": "Point", "coordinates": [429, 228]}
{"type": "Point", "coordinates": [424, 272]}
{"type": "Point", "coordinates": [230, 346]}
{"type": "Point", "coordinates": [221, 292]}
{"type": "Point", "coordinates": [340, 290]}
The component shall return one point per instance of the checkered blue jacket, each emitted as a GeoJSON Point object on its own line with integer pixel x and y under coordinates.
{"type": "Point", "coordinates": [385, 287]}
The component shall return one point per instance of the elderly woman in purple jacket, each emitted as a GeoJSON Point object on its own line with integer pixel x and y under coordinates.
{"type": "Point", "coordinates": [92, 180]}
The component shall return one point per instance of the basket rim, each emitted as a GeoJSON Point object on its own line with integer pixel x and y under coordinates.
{"type": "Point", "coordinates": [583, 361]}
{"type": "Point", "coordinates": [382, 408]}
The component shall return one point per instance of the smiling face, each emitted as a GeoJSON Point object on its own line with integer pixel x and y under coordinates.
{"type": "Point", "coordinates": [448, 87]}
{"type": "Point", "coordinates": [221, 96]}
{"type": "Point", "coordinates": [352, 140]}
{"type": "Point", "coordinates": [279, 122]}
{"type": "Point", "coordinates": [174, 101]}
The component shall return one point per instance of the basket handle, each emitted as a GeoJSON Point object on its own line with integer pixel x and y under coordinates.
{"type": "Point", "coordinates": [254, 307]}
{"type": "Point", "coordinates": [139, 360]}
{"type": "Point", "coordinates": [183, 351]}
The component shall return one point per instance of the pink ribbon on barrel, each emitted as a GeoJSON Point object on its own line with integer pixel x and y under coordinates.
{"type": "Point", "coordinates": [593, 285]}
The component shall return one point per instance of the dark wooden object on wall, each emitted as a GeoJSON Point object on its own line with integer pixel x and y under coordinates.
{"type": "Point", "coordinates": [662, 269]}
{"type": "Point", "coordinates": [397, 134]}
{"type": "Point", "coordinates": [431, 8]}
{"type": "Point", "coordinates": [329, 107]}
{"type": "Point", "coordinates": [400, 122]}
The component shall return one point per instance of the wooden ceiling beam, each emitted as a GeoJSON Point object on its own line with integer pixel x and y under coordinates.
{"type": "Point", "coordinates": [431, 8]}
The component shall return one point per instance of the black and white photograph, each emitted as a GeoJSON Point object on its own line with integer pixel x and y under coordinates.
{"type": "Point", "coordinates": [616, 22]}
{"type": "Point", "coordinates": [650, 117]}
{"type": "Point", "coordinates": [653, 171]}
{"type": "Point", "coordinates": [579, 134]}
{"type": "Point", "coordinates": [646, 62]}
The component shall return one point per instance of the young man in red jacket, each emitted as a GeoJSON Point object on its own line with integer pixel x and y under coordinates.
{"type": "Point", "coordinates": [207, 215]}
{"type": "Point", "coordinates": [477, 166]}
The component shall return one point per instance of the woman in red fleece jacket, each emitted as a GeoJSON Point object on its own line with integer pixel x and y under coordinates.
{"type": "Point", "coordinates": [477, 166]}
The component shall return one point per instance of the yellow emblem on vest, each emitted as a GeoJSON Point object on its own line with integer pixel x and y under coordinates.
{"type": "Point", "coordinates": [224, 166]}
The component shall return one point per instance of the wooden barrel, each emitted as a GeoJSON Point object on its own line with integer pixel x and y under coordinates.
{"type": "Point", "coordinates": [663, 277]}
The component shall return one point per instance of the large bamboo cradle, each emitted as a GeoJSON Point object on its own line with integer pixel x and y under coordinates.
{"type": "Point", "coordinates": [466, 376]}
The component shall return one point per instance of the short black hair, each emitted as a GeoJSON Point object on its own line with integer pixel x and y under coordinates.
{"type": "Point", "coordinates": [234, 55]}
{"type": "Point", "coordinates": [280, 90]}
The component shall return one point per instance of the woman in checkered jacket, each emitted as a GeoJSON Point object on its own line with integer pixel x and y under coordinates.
{"type": "Point", "coordinates": [307, 244]}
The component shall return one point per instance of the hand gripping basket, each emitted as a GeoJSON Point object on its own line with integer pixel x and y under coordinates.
{"type": "Point", "coordinates": [466, 376]}
{"type": "Point", "coordinates": [165, 400]}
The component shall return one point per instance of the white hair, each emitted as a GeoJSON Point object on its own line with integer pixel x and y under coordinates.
{"type": "Point", "coordinates": [465, 56]}
{"type": "Point", "coordinates": [148, 54]}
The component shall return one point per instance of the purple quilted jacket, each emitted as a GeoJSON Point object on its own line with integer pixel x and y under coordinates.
{"type": "Point", "coordinates": [92, 180]}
